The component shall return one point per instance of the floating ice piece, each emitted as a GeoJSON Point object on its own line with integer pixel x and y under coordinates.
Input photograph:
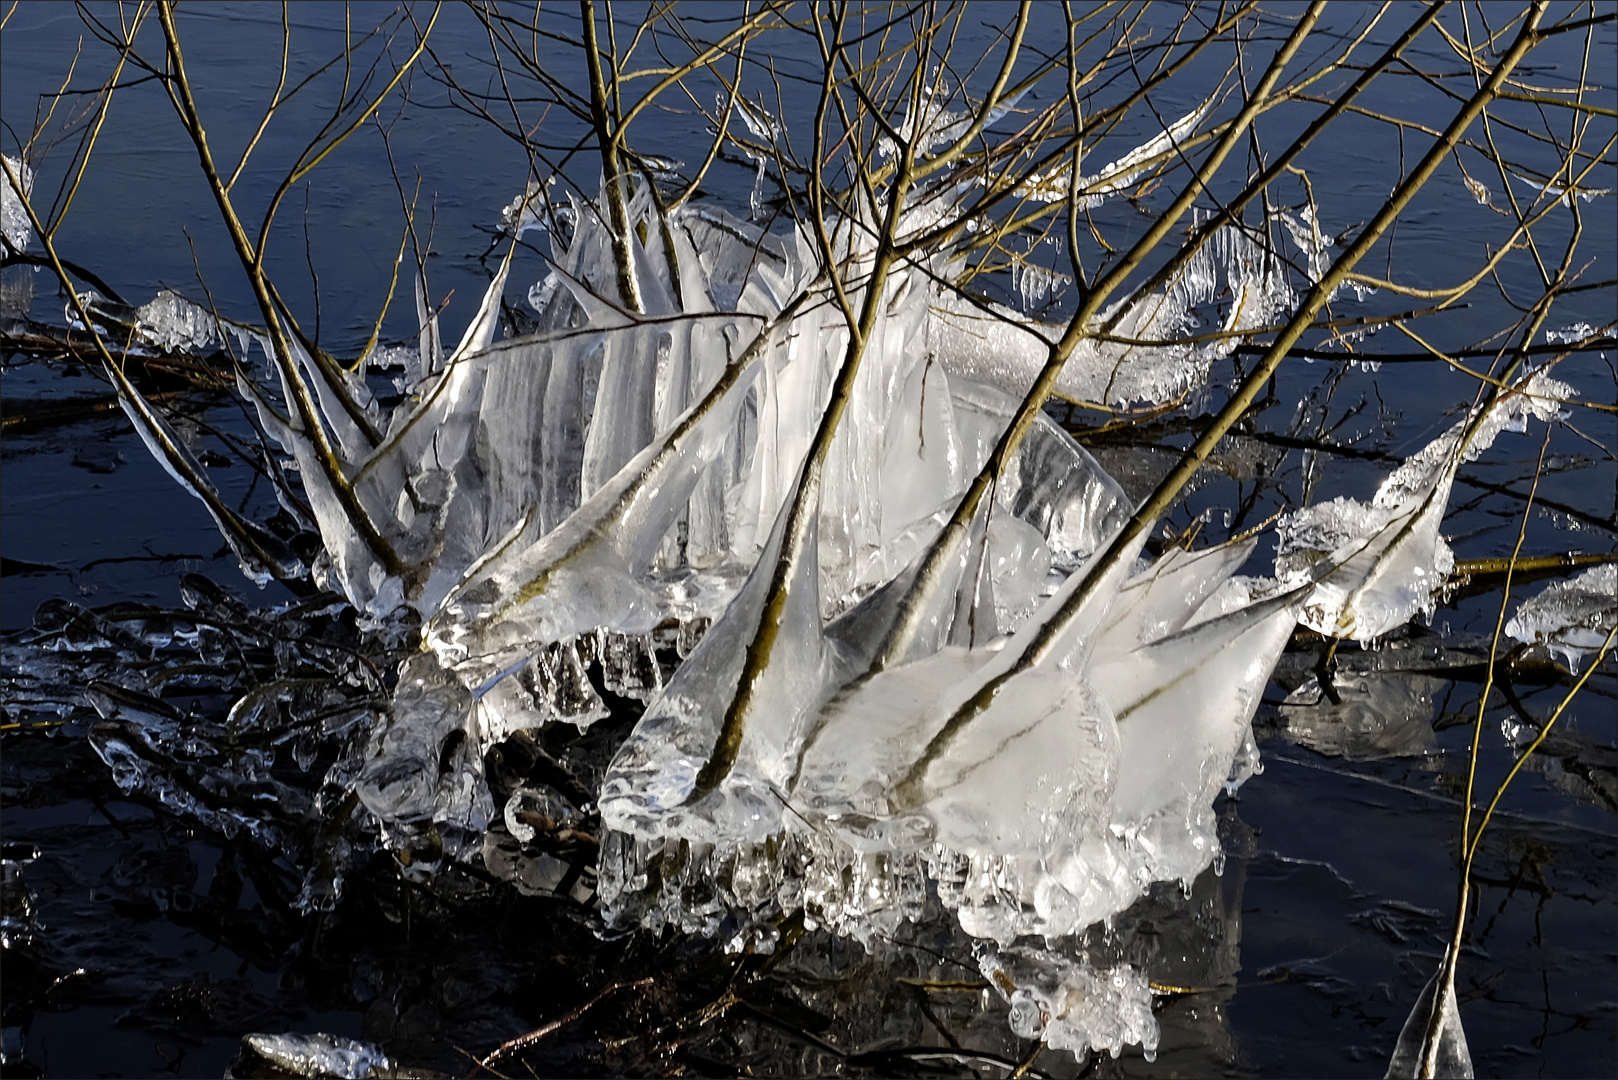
{"type": "Point", "coordinates": [1072, 1006]}
{"type": "Point", "coordinates": [1571, 617]}
{"type": "Point", "coordinates": [1575, 332]}
{"type": "Point", "coordinates": [319, 1055]}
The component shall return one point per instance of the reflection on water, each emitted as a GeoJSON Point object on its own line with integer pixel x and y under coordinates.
{"type": "Point", "coordinates": [1373, 704]}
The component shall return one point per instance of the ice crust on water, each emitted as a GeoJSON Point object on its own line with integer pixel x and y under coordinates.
{"type": "Point", "coordinates": [1381, 713]}
{"type": "Point", "coordinates": [1572, 617]}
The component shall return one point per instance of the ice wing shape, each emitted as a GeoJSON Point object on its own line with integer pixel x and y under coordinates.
{"type": "Point", "coordinates": [1162, 600]}
{"type": "Point", "coordinates": [882, 751]}
{"type": "Point", "coordinates": [994, 345]}
{"type": "Point", "coordinates": [651, 788]}
{"type": "Point", "coordinates": [1121, 173]}
{"type": "Point", "coordinates": [1378, 564]}
{"type": "Point", "coordinates": [1383, 569]}
{"type": "Point", "coordinates": [1183, 704]}
{"type": "Point", "coordinates": [540, 585]}
{"type": "Point", "coordinates": [262, 555]}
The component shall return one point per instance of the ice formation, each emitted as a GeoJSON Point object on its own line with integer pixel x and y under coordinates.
{"type": "Point", "coordinates": [1376, 565]}
{"type": "Point", "coordinates": [1450, 1057]}
{"type": "Point", "coordinates": [1073, 1006]}
{"type": "Point", "coordinates": [1571, 617]}
{"type": "Point", "coordinates": [1142, 360]}
{"type": "Point", "coordinates": [870, 706]}
{"type": "Point", "coordinates": [175, 324]}
{"type": "Point", "coordinates": [16, 282]}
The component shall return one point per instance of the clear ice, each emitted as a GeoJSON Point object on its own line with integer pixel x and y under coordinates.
{"type": "Point", "coordinates": [13, 215]}
{"type": "Point", "coordinates": [974, 712]}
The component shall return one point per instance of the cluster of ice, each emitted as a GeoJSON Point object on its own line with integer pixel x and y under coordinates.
{"type": "Point", "coordinates": [888, 685]}
{"type": "Point", "coordinates": [1571, 617]}
{"type": "Point", "coordinates": [175, 324]}
{"type": "Point", "coordinates": [317, 1055]}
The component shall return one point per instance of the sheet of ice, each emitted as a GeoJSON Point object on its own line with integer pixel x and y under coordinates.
{"type": "Point", "coordinates": [1173, 589]}
{"type": "Point", "coordinates": [1572, 617]}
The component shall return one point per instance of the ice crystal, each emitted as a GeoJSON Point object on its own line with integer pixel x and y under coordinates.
{"type": "Point", "coordinates": [175, 324]}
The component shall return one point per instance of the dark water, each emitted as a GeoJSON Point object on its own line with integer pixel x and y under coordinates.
{"type": "Point", "coordinates": [139, 944]}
